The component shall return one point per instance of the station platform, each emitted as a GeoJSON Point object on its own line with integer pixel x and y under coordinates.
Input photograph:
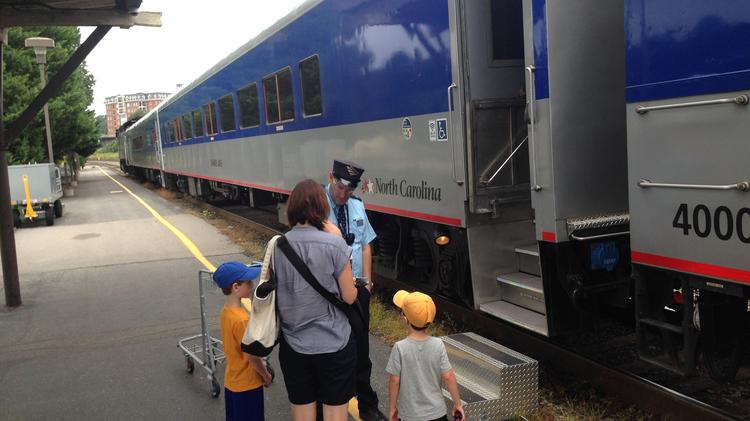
{"type": "Point", "coordinates": [107, 293]}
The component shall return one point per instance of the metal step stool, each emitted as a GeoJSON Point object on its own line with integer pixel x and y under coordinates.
{"type": "Point", "coordinates": [495, 382]}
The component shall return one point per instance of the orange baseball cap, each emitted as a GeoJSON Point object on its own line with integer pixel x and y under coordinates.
{"type": "Point", "coordinates": [418, 307]}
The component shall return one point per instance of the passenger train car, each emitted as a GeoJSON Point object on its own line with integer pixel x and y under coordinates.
{"type": "Point", "coordinates": [538, 160]}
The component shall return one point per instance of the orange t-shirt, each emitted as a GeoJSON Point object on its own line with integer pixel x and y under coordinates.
{"type": "Point", "coordinates": [239, 375]}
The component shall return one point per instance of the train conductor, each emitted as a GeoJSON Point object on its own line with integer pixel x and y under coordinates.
{"type": "Point", "coordinates": [348, 213]}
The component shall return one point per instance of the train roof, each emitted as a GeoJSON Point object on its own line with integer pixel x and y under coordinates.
{"type": "Point", "coordinates": [257, 40]}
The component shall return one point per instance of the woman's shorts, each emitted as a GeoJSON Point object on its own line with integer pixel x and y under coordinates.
{"type": "Point", "coordinates": [329, 377]}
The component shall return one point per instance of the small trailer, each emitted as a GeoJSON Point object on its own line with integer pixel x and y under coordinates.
{"type": "Point", "coordinates": [35, 192]}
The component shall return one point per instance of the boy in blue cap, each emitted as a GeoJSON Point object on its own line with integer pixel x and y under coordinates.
{"type": "Point", "coordinates": [245, 375]}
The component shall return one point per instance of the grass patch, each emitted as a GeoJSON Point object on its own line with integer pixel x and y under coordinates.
{"type": "Point", "coordinates": [387, 324]}
{"type": "Point", "coordinates": [104, 156]}
{"type": "Point", "coordinates": [252, 243]}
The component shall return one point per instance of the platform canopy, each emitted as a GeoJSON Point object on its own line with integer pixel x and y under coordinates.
{"type": "Point", "coordinates": [122, 13]}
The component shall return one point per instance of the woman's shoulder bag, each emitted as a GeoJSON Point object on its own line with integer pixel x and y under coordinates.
{"type": "Point", "coordinates": [262, 331]}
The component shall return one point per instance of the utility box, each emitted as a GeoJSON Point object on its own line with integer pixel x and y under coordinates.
{"type": "Point", "coordinates": [495, 382]}
{"type": "Point", "coordinates": [43, 189]}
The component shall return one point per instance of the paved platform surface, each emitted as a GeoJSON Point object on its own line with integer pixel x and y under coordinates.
{"type": "Point", "coordinates": [107, 293]}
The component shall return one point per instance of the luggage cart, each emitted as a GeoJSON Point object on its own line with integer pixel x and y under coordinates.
{"type": "Point", "coordinates": [204, 349]}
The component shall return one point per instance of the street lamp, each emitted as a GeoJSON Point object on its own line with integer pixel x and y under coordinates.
{"type": "Point", "coordinates": [40, 45]}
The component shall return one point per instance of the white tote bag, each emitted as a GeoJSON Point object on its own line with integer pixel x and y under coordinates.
{"type": "Point", "coordinates": [262, 331]}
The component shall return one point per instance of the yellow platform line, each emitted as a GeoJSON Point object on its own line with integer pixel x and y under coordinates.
{"type": "Point", "coordinates": [182, 237]}
{"type": "Point", "coordinates": [353, 404]}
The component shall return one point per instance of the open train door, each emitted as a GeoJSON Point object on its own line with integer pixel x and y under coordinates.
{"type": "Point", "coordinates": [531, 187]}
{"type": "Point", "coordinates": [489, 72]}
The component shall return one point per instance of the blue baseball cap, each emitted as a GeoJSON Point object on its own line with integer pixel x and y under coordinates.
{"type": "Point", "coordinates": [230, 272]}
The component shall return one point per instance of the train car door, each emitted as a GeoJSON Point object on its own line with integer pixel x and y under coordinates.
{"type": "Point", "coordinates": [490, 35]}
{"type": "Point", "coordinates": [500, 222]}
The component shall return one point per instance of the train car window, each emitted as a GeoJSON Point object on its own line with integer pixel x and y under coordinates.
{"type": "Point", "coordinates": [312, 99]}
{"type": "Point", "coordinates": [170, 127]}
{"type": "Point", "coordinates": [186, 126]}
{"type": "Point", "coordinates": [286, 99]}
{"type": "Point", "coordinates": [248, 100]}
{"type": "Point", "coordinates": [197, 122]}
{"type": "Point", "coordinates": [210, 112]}
{"type": "Point", "coordinates": [177, 129]}
{"type": "Point", "coordinates": [272, 100]}
{"type": "Point", "coordinates": [226, 112]}
{"type": "Point", "coordinates": [138, 143]}
{"type": "Point", "coordinates": [277, 90]}
{"type": "Point", "coordinates": [507, 31]}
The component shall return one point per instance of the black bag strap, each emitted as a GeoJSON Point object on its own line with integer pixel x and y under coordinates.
{"type": "Point", "coordinates": [309, 277]}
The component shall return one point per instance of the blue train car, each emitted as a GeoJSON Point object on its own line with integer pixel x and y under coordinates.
{"type": "Point", "coordinates": [430, 97]}
{"type": "Point", "coordinates": [512, 128]}
{"type": "Point", "coordinates": [688, 81]}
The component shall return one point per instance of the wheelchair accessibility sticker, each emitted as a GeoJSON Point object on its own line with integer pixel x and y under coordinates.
{"type": "Point", "coordinates": [438, 130]}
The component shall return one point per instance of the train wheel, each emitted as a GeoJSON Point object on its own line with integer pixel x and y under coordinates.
{"type": "Point", "coordinates": [420, 262]}
{"type": "Point", "coordinates": [721, 334]}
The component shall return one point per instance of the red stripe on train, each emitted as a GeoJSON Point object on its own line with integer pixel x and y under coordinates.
{"type": "Point", "coordinates": [418, 215]}
{"type": "Point", "coordinates": [549, 236]}
{"type": "Point", "coordinates": [698, 268]}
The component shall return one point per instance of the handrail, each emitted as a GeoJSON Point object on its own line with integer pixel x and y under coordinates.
{"type": "Point", "coordinates": [450, 130]}
{"type": "Point", "coordinates": [504, 163]}
{"type": "Point", "coordinates": [741, 186]}
{"type": "Point", "coordinates": [738, 100]}
{"type": "Point", "coordinates": [531, 93]}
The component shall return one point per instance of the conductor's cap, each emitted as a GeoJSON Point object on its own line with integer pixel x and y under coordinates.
{"type": "Point", "coordinates": [348, 172]}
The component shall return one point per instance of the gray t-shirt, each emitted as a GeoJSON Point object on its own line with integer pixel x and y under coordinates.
{"type": "Point", "coordinates": [310, 324]}
{"type": "Point", "coordinates": [420, 365]}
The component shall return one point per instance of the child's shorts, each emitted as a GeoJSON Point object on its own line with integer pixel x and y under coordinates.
{"type": "Point", "coordinates": [244, 406]}
{"type": "Point", "coordinates": [328, 377]}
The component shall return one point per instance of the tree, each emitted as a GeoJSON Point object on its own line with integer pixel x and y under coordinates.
{"type": "Point", "coordinates": [137, 114]}
{"type": "Point", "coordinates": [74, 128]}
{"type": "Point", "coordinates": [101, 123]}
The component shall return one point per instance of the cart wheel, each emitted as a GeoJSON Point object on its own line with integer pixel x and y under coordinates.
{"type": "Point", "coordinates": [189, 364]}
{"type": "Point", "coordinates": [49, 216]}
{"type": "Point", "coordinates": [58, 208]}
{"type": "Point", "coordinates": [215, 389]}
{"type": "Point", "coordinates": [16, 218]}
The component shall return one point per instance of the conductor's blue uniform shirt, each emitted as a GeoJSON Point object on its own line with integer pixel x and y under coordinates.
{"type": "Point", "coordinates": [359, 225]}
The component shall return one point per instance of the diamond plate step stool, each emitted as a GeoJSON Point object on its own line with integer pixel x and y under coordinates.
{"type": "Point", "coordinates": [495, 382]}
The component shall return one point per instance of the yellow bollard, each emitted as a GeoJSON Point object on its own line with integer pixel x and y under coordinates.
{"type": "Point", "coordinates": [30, 213]}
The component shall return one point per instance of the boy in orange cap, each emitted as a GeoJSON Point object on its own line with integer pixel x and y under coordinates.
{"type": "Point", "coordinates": [417, 365]}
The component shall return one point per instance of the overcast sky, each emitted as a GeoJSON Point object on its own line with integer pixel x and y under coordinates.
{"type": "Point", "coordinates": [143, 59]}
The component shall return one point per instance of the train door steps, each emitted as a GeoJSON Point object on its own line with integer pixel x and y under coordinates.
{"type": "Point", "coordinates": [495, 382]}
{"type": "Point", "coordinates": [528, 259]}
{"type": "Point", "coordinates": [517, 315]}
{"type": "Point", "coordinates": [523, 290]}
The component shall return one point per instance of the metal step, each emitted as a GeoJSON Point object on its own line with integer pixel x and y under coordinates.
{"type": "Point", "coordinates": [528, 259]}
{"type": "Point", "coordinates": [519, 316]}
{"type": "Point", "coordinates": [495, 382]}
{"type": "Point", "coordinates": [661, 325]}
{"type": "Point", "coordinates": [522, 290]}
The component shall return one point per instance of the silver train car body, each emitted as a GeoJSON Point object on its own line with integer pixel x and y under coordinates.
{"type": "Point", "coordinates": [501, 124]}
